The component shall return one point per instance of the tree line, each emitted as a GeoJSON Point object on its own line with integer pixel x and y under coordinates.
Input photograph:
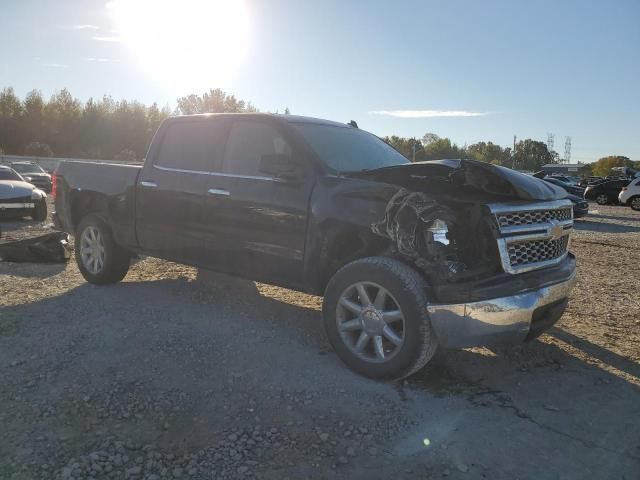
{"type": "Point", "coordinates": [120, 129]}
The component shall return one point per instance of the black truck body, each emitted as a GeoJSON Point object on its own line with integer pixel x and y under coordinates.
{"type": "Point", "coordinates": [271, 198]}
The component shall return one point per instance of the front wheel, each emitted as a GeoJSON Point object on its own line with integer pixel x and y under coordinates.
{"type": "Point", "coordinates": [635, 203]}
{"type": "Point", "coordinates": [602, 199]}
{"type": "Point", "coordinates": [376, 320]}
{"type": "Point", "coordinates": [100, 259]}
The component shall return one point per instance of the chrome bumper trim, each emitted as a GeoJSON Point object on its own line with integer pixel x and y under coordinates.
{"type": "Point", "coordinates": [493, 321]}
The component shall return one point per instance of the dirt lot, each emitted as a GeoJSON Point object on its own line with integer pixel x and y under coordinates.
{"type": "Point", "coordinates": [175, 374]}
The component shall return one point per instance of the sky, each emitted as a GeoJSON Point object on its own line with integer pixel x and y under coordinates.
{"type": "Point", "coordinates": [464, 69]}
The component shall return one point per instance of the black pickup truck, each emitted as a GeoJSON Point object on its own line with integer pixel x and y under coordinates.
{"type": "Point", "coordinates": [409, 256]}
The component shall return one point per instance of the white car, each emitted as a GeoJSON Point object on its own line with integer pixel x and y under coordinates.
{"type": "Point", "coordinates": [630, 195]}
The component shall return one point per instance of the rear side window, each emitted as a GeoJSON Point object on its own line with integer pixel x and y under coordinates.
{"type": "Point", "coordinates": [248, 142]}
{"type": "Point", "coordinates": [194, 145]}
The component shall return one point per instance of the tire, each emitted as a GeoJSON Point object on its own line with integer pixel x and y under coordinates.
{"type": "Point", "coordinates": [100, 259]}
{"type": "Point", "coordinates": [634, 203]}
{"type": "Point", "coordinates": [602, 199]}
{"type": "Point", "coordinates": [40, 211]}
{"type": "Point", "coordinates": [405, 289]}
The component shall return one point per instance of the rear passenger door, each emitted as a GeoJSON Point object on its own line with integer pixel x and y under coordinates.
{"type": "Point", "coordinates": [171, 188]}
{"type": "Point", "coordinates": [256, 222]}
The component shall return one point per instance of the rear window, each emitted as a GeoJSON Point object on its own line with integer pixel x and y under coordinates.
{"type": "Point", "coordinates": [9, 174]}
{"type": "Point", "coordinates": [195, 145]}
{"type": "Point", "coordinates": [27, 168]}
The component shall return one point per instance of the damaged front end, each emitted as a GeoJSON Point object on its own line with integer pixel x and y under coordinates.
{"type": "Point", "coordinates": [419, 229]}
{"type": "Point", "coordinates": [491, 243]}
{"type": "Point", "coordinates": [441, 217]}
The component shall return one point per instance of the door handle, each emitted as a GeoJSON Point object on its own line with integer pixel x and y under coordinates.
{"type": "Point", "coordinates": [148, 184]}
{"type": "Point", "coordinates": [219, 191]}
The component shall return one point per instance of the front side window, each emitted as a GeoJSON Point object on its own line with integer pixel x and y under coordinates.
{"type": "Point", "coordinates": [248, 142]}
{"type": "Point", "coordinates": [194, 145]}
{"type": "Point", "coordinates": [347, 149]}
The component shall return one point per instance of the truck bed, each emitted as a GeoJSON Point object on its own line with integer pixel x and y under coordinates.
{"type": "Point", "coordinates": [79, 185]}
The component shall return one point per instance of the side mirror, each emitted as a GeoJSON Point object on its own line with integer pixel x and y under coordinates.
{"type": "Point", "coordinates": [279, 165]}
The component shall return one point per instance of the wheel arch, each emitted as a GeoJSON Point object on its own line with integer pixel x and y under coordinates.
{"type": "Point", "coordinates": [338, 246]}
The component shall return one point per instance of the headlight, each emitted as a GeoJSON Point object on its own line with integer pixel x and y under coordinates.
{"type": "Point", "coordinates": [439, 231]}
{"type": "Point", "coordinates": [37, 194]}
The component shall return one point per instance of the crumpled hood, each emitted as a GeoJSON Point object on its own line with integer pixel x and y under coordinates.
{"type": "Point", "coordinates": [15, 189]}
{"type": "Point", "coordinates": [471, 175]}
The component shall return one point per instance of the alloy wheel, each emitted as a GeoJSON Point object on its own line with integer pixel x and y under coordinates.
{"type": "Point", "coordinates": [370, 322]}
{"type": "Point", "coordinates": [92, 250]}
{"type": "Point", "coordinates": [602, 199]}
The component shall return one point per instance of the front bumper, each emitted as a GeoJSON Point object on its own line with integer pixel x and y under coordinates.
{"type": "Point", "coordinates": [494, 321]}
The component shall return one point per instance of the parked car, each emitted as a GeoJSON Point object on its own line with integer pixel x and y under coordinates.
{"type": "Point", "coordinates": [34, 173]}
{"type": "Point", "coordinates": [410, 257]}
{"type": "Point", "coordinates": [588, 180]}
{"type": "Point", "coordinates": [580, 206]}
{"type": "Point", "coordinates": [572, 189]}
{"type": "Point", "coordinates": [630, 195]}
{"type": "Point", "coordinates": [19, 198]}
{"type": "Point", "coordinates": [573, 181]}
{"type": "Point", "coordinates": [605, 192]}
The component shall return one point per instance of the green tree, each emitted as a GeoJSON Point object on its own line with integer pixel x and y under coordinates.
{"type": "Point", "coordinates": [603, 166]}
{"type": "Point", "coordinates": [441, 148]}
{"type": "Point", "coordinates": [489, 152]}
{"type": "Point", "coordinates": [11, 136]}
{"type": "Point", "coordinates": [532, 155]}
{"type": "Point", "coordinates": [213, 101]}
{"type": "Point", "coordinates": [38, 149]}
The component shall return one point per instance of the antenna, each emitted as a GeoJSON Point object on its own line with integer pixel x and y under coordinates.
{"type": "Point", "coordinates": [550, 138]}
{"type": "Point", "coordinates": [567, 149]}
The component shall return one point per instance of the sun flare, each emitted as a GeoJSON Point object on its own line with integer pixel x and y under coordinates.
{"type": "Point", "coordinates": [190, 45]}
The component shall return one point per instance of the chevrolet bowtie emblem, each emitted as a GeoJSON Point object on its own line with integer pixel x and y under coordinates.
{"type": "Point", "coordinates": [555, 231]}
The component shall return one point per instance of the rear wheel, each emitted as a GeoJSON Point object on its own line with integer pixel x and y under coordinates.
{"type": "Point", "coordinates": [635, 203]}
{"type": "Point", "coordinates": [375, 317]}
{"type": "Point", "coordinates": [100, 259]}
{"type": "Point", "coordinates": [40, 210]}
{"type": "Point", "coordinates": [602, 199]}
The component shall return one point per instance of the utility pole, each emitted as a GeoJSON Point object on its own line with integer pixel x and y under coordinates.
{"type": "Point", "coordinates": [513, 154]}
{"type": "Point", "coordinates": [567, 149]}
{"type": "Point", "coordinates": [413, 151]}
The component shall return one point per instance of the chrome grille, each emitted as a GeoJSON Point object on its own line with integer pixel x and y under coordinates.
{"type": "Point", "coordinates": [532, 235]}
{"type": "Point", "coordinates": [525, 253]}
{"type": "Point", "coordinates": [510, 219]}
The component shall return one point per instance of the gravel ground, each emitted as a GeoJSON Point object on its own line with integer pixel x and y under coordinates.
{"type": "Point", "coordinates": [176, 373]}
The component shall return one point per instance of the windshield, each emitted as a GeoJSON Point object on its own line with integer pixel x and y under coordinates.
{"type": "Point", "coordinates": [347, 149]}
{"type": "Point", "coordinates": [26, 168]}
{"type": "Point", "coordinates": [9, 174]}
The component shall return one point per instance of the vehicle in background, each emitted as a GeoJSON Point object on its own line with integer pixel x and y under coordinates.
{"type": "Point", "coordinates": [626, 172]}
{"type": "Point", "coordinates": [588, 180]}
{"type": "Point", "coordinates": [580, 206]}
{"type": "Point", "coordinates": [33, 173]}
{"type": "Point", "coordinates": [606, 191]}
{"type": "Point", "coordinates": [19, 198]}
{"type": "Point", "coordinates": [410, 257]}
{"type": "Point", "coordinates": [630, 195]}
{"type": "Point", "coordinates": [572, 189]}
{"type": "Point", "coordinates": [573, 181]}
